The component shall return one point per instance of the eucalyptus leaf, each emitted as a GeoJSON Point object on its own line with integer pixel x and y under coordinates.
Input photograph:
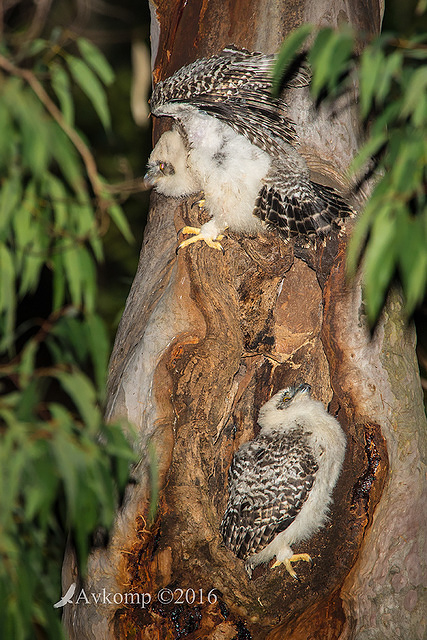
{"type": "Point", "coordinates": [91, 86]}
{"type": "Point", "coordinates": [62, 88]}
{"type": "Point", "coordinates": [95, 59]}
{"type": "Point", "coordinates": [319, 58]}
{"type": "Point", "coordinates": [98, 344]}
{"type": "Point", "coordinates": [390, 70]}
{"type": "Point", "coordinates": [415, 92]}
{"type": "Point", "coordinates": [286, 55]}
{"type": "Point", "coordinates": [58, 282]}
{"type": "Point", "coordinates": [71, 261]}
{"type": "Point", "coordinates": [81, 391]}
{"type": "Point", "coordinates": [10, 198]}
{"type": "Point", "coordinates": [380, 261]}
{"type": "Point", "coordinates": [120, 220]}
{"type": "Point", "coordinates": [67, 159]}
{"type": "Point", "coordinates": [371, 65]}
{"type": "Point", "coordinates": [7, 294]}
{"type": "Point", "coordinates": [413, 260]}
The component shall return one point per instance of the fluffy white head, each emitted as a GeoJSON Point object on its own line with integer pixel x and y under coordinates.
{"type": "Point", "coordinates": [284, 406]}
{"type": "Point", "coordinates": [168, 169]}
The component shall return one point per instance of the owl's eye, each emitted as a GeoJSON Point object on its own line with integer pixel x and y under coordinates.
{"type": "Point", "coordinates": [287, 396]}
{"type": "Point", "coordinates": [166, 168]}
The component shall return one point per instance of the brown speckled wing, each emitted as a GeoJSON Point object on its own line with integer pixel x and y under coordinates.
{"type": "Point", "coordinates": [269, 480]}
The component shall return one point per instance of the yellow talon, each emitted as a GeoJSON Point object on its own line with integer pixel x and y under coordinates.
{"type": "Point", "coordinates": [294, 558]}
{"type": "Point", "coordinates": [211, 243]}
{"type": "Point", "coordinates": [200, 203]}
{"type": "Point", "coordinates": [195, 231]}
{"type": "Point", "coordinates": [214, 244]}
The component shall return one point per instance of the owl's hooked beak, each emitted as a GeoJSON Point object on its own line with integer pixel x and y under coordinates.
{"type": "Point", "coordinates": [304, 388]}
{"type": "Point", "coordinates": [152, 175]}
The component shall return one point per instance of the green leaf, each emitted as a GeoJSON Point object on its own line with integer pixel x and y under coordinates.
{"type": "Point", "coordinates": [413, 261]}
{"type": "Point", "coordinates": [408, 165]}
{"type": "Point", "coordinates": [55, 190]}
{"type": "Point", "coordinates": [391, 69]}
{"type": "Point", "coordinates": [329, 57]}
{"type": "Point", "coordinates": [369, 149]}
{"type": "Point", "coordinates": [119, 219]}
{"type": "Point", "coordinates": [35, 47]}
{"type": "Point", "coordinates": [97, 247]}
{"type": "Point", "coordinates": [10, 198]}
{"type": "Point", "coordinates": [380, 260]}
{"type": "Point", "coordinates": [99, 346]}
{"type": "Point", "coordinates": [318, 58]}
{"type": "Point", "coordinates": [34, 133]}
{"type": "Point", "coordinates": [67, 465]}
{"type": "Point", "coordinates": [79, 270]}
{"type": "Point", "coordinates": [415, 93]}
{"type": "Point", "coordinates": [96, 60]}
{"type": "Point", "coordinates": [121, 444]}
{"type": "Point", "coordinates": [13, 460]}
{"type": "Point", "coordinates": [29, 399]}
{"type": "Point", "coordinates": [58, 294]}
{"type": "Point", "coordinates": [357, 241]}
{"type": "Point", "coordinates": [91, 86]}
{"type": "Point", "coordinates": [27, 362]}
{"type": "Point", "coordinates": [8, 138]}
{"type": "Point", "coordinates": [68, 341]}
{"type": "Point", "coordinates": [387, 119]}
{"type": "Point", "coordinates": [340, 57]}
{"type": "Point", "coordinates": [71, 260]}
{"type": "Point", "coordinates": [88, 280]}
{"type": "Point", "coordinates": [419, 115]}
{"type": "Point", "coordinates": [7, 294]}
{"type": "Point", "coordinates": [23, 228]}
{"type": "Point", "coordinates": [62, 88]}
{"type": "Point", "coordinates": [69, 162]}
{"type": "Point", "coordinates": [84, 219]}
{"type": "Point", "coordinates": [371, 65]}
{"type": "Point", "coordinates": [82, 393]}
{"type": "Point", "coordinates": [287, 53]}
{"type": "Point", "coordinates": [33, 259]}
{"type": "Point", "coordinates": [42, 484]}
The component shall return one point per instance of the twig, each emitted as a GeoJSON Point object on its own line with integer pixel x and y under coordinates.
{"type": "Point", "coordinates": [39, 20]}
{"type": "Point", "coordinates": [56, 114]}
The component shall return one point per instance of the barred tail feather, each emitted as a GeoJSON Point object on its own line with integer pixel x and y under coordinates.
{"type": "Point", "coordinates": [316, 212]}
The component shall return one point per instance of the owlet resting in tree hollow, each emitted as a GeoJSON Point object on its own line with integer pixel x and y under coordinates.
{"type": "Point", "coordinates": [280, 484]}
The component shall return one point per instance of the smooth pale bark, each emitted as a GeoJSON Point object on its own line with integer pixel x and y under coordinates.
{"type": "Point", "coordinates": [204, 341]}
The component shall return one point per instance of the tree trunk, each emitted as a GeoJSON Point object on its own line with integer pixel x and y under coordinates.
{"type": "Point", "coordinates": [204, 341]}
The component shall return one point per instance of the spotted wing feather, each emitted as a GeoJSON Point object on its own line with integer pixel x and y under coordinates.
{"type": "Point", "coordinates": [310, 210]}
{"type": "Point", "coordinates": [235, 87]}
{"type": "Point", "coordinates": [269, 480]}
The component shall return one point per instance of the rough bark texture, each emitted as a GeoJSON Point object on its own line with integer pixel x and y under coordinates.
{"type": "Point", "coordinates": [204, 341]}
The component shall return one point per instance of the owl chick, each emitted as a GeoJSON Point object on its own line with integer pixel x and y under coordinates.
{"type": "Point", "coordinates": [237, 148]}
{"type": "Point", "coordinates": [280, 484]}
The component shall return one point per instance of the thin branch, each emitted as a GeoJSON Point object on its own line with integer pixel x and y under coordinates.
{"type": "Point", "coordinates": [39, 20]}
{"type": "Point", "coordinates": [87, 157]}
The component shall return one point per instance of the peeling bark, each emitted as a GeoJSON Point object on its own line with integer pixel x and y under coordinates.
{"type": "Point", "coordinates": [204, 341]}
